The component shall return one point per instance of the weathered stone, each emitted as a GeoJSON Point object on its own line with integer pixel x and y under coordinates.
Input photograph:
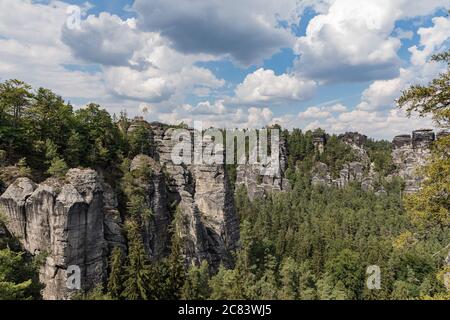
{"type": "Point", "coordinates": [411, 153]}
{"type": "Point", "coordinates": [156, 233]}
{"type": "Point", "coordinates": [321, 175]}
{"type": "Point", "coordinates": [401, 141]}
{"type": "Point", "coordinates": [65, 221]}
{"type": "Point", "coordinates": [266, 177]}
{"type": "Point", "coordinates": [422, 138]}
{"type": "Point", "coordinates": [207, 221]}
{"type": "Point", "coordinates": [319, 140]}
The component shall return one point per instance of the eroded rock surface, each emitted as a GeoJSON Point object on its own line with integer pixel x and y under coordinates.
{"type": "Point", "coordinates": [65, 221]}
{"type": "Point", "coordinates": [206, 217]}
{"type": "Point", "coordinates": [409, 154]}
{"type": "Point", "coordinates": [265, 177]}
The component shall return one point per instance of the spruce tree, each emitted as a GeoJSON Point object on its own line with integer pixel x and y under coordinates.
{"type": "Point", "coordinates": [137, 272]}
{"type": "Point", "coordinates": [115, 281]}
{"type": "Point", "coordinates": [196, 286]}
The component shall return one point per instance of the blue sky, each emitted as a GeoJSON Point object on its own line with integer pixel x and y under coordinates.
{"type": "Point", "coordinates": [335, 64]}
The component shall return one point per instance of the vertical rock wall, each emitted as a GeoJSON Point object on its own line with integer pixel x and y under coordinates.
{"type": "Point", "coordinates": [207, 221]}
{"type": "Point", "coordinates": [65, 221]}
{"type": "Point", "coordinates": [409, 154]}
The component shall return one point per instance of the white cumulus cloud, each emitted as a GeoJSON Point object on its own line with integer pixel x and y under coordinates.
{"type": "Point", "coordinates": [264, 86]}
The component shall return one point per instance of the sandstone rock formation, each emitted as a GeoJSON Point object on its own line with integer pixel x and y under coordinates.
{"type": "Point", "coordinates": [351, 172]}
{"type": "Point", "coordinates": [361, 171]}
{"type": "Point", "coordinates": [76, 221]}
{"type": "Point", "coordinates": [265, 177]}
{"type": "Point", "coordinates": [65, 221]}
{"type": "Point", "coordinates": [409, 154]}
{"type": "Point", "coordinates": [156, 233]}
{"type": "Point", "coordinates": [319, 141]}
{"type": "Point", "coordinates": [206, 221]}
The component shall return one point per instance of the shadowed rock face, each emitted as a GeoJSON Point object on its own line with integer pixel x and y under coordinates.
{"type": "Point", "coordinates": [402, 140]}
{"type": "Point", "coordinates": [66, 222]}
{"type": "Point", "coordinates": [156, 233]}
{"type": "Point", "coordinates": [423, 138]}
{"type": "Point", "coordinates": [207, 220]}
{"type": "Point", "coordinates": [76, 222]}
{"type": "Point", "coordinates": [319, 140]}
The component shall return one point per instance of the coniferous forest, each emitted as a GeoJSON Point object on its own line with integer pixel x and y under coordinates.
{"type": "Point", "coordinates": [313, 242]}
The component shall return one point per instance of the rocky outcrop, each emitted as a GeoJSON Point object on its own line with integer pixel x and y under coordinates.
{"type": "Point", "coordinates": [71, 222]}
{"type": "Point", "coordinates": [156, 233]}
{"type": "Point", "coordinates": [8, 175]}
{"type": "Point", "coordinates": [409, 154]}
{"type": "Point", "coordinates": [319, 140]}
{"type": "Point", "coordinates": [351, 172]}
{"type": "Point", "coordinates": [357, 142]}
{"type": "Point", "coordinates": [206, 218]}
{"type": "Point", "coordinates": [266, 177]}
{"type": "Point", "coordinates": [361, 171]}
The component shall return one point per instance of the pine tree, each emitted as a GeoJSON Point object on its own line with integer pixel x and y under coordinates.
{"type": "Point", "coordinates": [429, 208]}
{"type": "Point", "coordinates": [24, 170]}
{"type": "Point", "coordinates": [18, 277]}
{"type": "Point", "coordinates": [177, 272]}
{"type": "Point", "coordinates": [58, 168]}
{"type": "Point", "coordinates": [196, 286]}
{"type": "Point", "coordinates": [74, 149]}
{"type": "Point", "coordinates": [137, 270]}
{"type": "Point", "coordinates": [115, 281]}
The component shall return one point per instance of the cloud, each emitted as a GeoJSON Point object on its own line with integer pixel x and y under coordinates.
{"type": "Point", "coordinates": [381, 94]}
{"type": "Point", "coordinates": [263, 87]}
{"type": "Point", "coordinates": [403, 34]}
{"type": "Point", "coordinates": [353, 41]}
{"type": "Point", "coordinates": [247, 31]}
{"type": "Point", "coordinates": [212, 114]}
{"type": "Point", "coordinates": [314, 113]}
{"type": "Point", "coordinates": [322, 112]}
{"type": "Point", "coordinates": [34, 52]}
{"type": "Point", "coordinates": [136, 65]}
{"type": "Point", "coordinates": [378, 125]}
{"type": "Point", "coordinates": [106, 39]}
{"type": "Point", "coordinates": [431, 40]}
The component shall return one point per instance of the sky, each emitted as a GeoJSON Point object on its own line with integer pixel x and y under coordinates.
{"type": "Point", "coordinates": [334, 64]}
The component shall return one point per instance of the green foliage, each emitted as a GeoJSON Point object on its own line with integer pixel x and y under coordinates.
{"type": "Point", "coordinates": [140, 141]}
{"type": "Point", "coordinates": [137, 272]}
{"type": "Point", "coordinates": [308, 243]}
{"type": "Point", "coordinates": [18, 277]}
{"type": "Point", "coordinates": [432, 99]}
{"type": "Point", "coordinates": [429, 208]}
{"type": "Point", "coordinates": [316, 243]}
{"type": "Point", "coordinates": [196, 286]}
{"type": "Point", "coordinates": [380, 153]}
{"type": "Point", "coordinates": [73, 152]}
{"type": "Point", "coordinates": [336, 154]}
{"type": "Point", "coordinates": [24, 170]}
{"type": "Point", "coordinates": [58, 168]}
{"type": "Point", "coordinates": [97, 293]}
{"type": "Point", "coordinates": [115, 281]}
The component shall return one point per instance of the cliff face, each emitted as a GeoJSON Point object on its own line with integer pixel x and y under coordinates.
{"type": "Point", "coordinates": [206, 217]}
{"type": "Point", "coordinates": [264, 178]}
{"type": "Point", "coordinates": [69, 222]}
{"type": "Point", "coordinates": [156, 235]}
{"type": "Point", "coordinates": [409, 154]}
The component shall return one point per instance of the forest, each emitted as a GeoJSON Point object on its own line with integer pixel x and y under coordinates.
{"type": "Point", "coordinates": [312, 242]}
